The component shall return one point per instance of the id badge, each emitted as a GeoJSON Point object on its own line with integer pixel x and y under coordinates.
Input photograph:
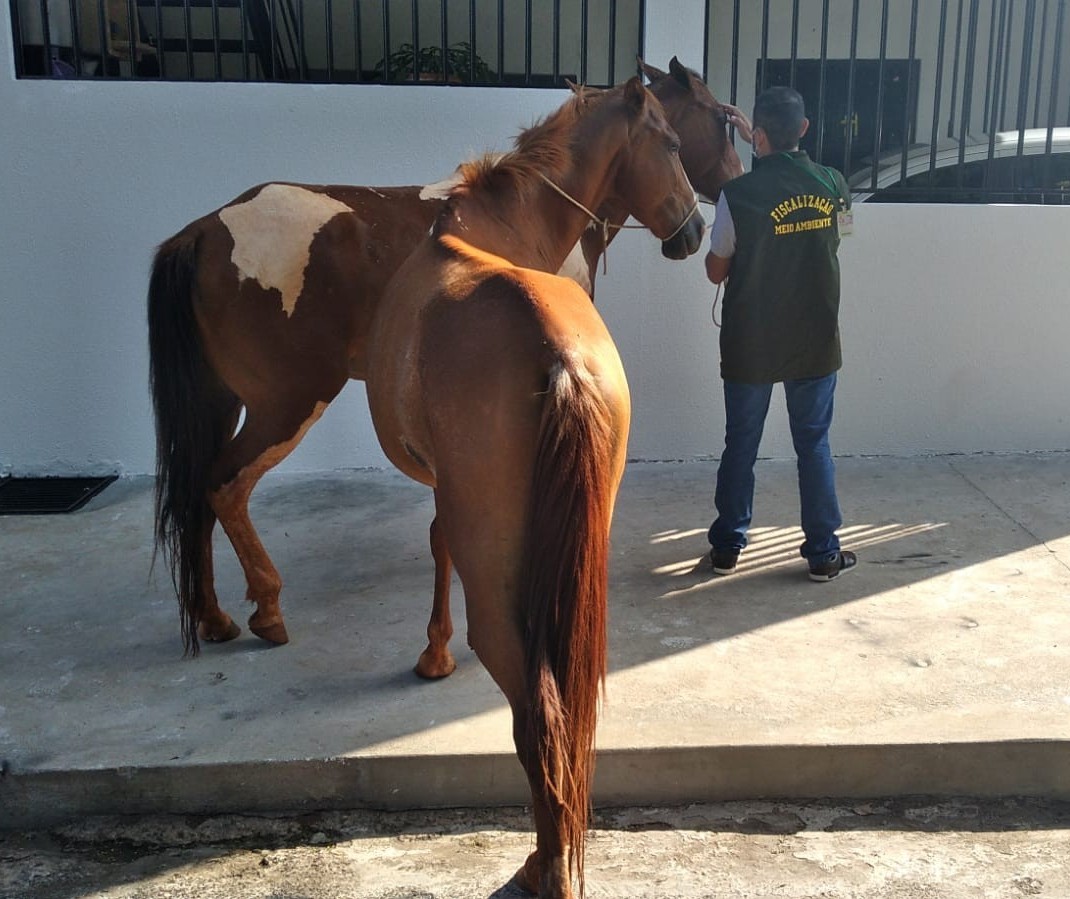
{"type": "Point", "coordinates": [845, 218]}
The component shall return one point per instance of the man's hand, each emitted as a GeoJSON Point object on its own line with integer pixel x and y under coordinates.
{"type": "Point", "coordinates": [739, 120]}
{"type": "Point", "coordinates": [717, 267]}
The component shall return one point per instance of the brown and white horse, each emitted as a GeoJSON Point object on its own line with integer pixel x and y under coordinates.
{"type": "Point", "coordinates": [498, 385]}
{"type": "Point", "coordinates": [266, 305]}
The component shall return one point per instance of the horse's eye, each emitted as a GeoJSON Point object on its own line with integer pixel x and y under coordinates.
{"type": "Point", "coordinates": [674, 147]}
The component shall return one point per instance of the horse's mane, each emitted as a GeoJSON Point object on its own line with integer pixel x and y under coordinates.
{"type": "Point", "coordinates": [545, 149]}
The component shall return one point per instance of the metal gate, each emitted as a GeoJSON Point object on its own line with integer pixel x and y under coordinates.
{"type": "Point", "coordinates": [950, 101]}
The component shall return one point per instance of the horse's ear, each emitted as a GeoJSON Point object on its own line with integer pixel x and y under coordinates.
{"type": "Point", "coordinates": [581, 93]}
{"type": "Point", "coordinates": [651, 72]}
{"type": "Point", "coordinates": [680, 72]}
{"type": "Point", "coordinates": [635, 93]}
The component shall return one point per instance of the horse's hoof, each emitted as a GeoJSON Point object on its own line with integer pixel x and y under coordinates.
{"type": "Point", "coordinates": [218, 632]}
{"type": "Point", "coordinates": [273, 633]}
{"type": "Point", "coordinates": [527, 878]}
{"type": "Point", "coordinates": [434, 666]}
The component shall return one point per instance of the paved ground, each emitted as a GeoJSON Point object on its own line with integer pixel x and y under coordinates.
{"type": "Point", "coordinates": [899, 849]}
{"type": "Point", "coordinates": [940, 667]}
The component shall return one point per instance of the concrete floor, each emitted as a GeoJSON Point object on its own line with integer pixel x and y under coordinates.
{"type": "Point", "coordinates": [940, 666]}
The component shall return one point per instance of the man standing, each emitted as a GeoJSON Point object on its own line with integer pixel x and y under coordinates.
{"type": "Point", "coordinates": [775, 239]}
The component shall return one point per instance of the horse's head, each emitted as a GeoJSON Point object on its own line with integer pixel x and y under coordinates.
{"type": "Point", "coordinates": [708, 156]}
{"type": "Point", "coordinates": [649, 181]}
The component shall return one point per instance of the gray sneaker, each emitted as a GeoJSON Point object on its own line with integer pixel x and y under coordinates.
{"type": "Point", "coordinates": [834, 567]}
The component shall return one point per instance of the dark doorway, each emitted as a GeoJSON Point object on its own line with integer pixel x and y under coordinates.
{"type": "Point", "coordinates": [899, 104]}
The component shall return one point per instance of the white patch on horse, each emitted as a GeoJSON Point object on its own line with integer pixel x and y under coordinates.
{"type": "Point", "coordinates": [440, 190]}
{"type": "Point", "coordinates": [575, 267]}
{"type": "Point", "coordinates": [273, 235]}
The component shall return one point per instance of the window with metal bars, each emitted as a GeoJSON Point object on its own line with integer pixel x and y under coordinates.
{"type": "Point", "coordinates": [942, 101]}
{"type": "Point", "coordinates": [525, 43]}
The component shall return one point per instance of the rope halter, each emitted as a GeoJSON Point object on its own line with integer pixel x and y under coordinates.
{"type": "Point", "coordinates": [606, 224]}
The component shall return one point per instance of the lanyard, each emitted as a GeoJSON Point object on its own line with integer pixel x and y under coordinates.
{"type": "Point", "coordinates": [829, 185]}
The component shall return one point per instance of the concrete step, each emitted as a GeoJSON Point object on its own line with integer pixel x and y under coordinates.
{"type": "Point", "coordinates": [939, 666]}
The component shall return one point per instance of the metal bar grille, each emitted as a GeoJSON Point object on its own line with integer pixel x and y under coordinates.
{"type": "Point", "coordinates": [823, 76]}
{"type": "Point", "coordinates": [527, 42]}
{"type": "Point", "coordinates": [904, 156]}
{"type": "Point", "coordinates": [584, 13]}
{"type": "Point", "coordinates": [612, 52]}
{"type": "Point", "coordinates": [1053, 102]}
{"type": "Point", "coordinates": [1040, 61]}
{"type": "Point", "coordinates": [937, 96]}
{"type": "Point", "coordinates": [878, 124]}
{"type": "Point", "coordinates": [481, 42]}
{"type": "Point", "coordinates": [849, 126]}
{"type": "Point", "coordinates": [994, 114]}
{"type": "Point", "coordinates": [967, 81]}
{"type": "Point", "coordinates": [950, 101]}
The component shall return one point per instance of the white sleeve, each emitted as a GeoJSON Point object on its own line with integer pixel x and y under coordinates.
{"type": "Point", "coordinates": [723, 232]}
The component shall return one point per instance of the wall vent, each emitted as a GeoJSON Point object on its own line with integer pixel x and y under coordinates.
{"type": "Point", "coordinates": [48, 496]}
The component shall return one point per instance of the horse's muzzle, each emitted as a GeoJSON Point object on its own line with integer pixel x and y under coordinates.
{"type": "Point", "coordinates": [687, 240]}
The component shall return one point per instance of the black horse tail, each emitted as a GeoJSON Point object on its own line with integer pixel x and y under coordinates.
{"type": "Point", "coordinates": [191, 412]}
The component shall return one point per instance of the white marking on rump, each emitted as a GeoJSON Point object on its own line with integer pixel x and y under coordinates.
{"type": "Point", "coordinates": [575, 267]}
{"type": "Point", "coordinates": [273, 235]}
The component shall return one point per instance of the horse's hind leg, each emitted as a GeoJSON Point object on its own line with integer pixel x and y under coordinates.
{"type": "Point", "coordinates": [437, 661]}
{"type": "Point", "coordinates": [215, 625]}
{"type": "Point", "coordinates": [546, 871]}
{"type": "Point", "coordinates": [266, 438]}
{"type": "Point", "coordinates": [485, 543]}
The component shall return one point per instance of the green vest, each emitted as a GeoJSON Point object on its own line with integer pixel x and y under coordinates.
{"type": "Point", "coordinates": [782, 297]}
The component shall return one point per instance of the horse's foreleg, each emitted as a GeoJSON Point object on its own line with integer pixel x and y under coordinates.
{"type": "Point", "coordinates": [263, 442]}
{"type": "Point", "coordinates": [437, 661]}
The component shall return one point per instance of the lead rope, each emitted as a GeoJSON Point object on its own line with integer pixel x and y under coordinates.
{"type": "Point", "coordinates": [717, 294]}
{"type": "Point", "coordinates": [606, 224]}
{"type": "Point", "coordinates": [716, 297]}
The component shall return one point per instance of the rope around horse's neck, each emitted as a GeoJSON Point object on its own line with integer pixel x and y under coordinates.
{"type": "Point", "coordinates": [606, 224]}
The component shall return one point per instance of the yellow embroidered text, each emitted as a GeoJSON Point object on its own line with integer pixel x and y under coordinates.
{"type": "Point", "coordinates": [801, 201]}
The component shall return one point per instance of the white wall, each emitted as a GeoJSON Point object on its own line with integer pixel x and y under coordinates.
{"type": "Point", "coordinates": [955, 322]}
{"type": "Point", "coordinates": [955, 319]}
{"type": "Point", "coordinates": [95, 175]}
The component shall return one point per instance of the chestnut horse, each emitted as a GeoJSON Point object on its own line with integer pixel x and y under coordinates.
{"type": "Point", "coordinates": [498, 385]}
{"type": "Point", "coordinates": [266, 305]}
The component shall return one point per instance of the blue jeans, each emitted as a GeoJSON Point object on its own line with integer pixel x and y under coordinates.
{"type": "Point", "coordinates": [810, 404]}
